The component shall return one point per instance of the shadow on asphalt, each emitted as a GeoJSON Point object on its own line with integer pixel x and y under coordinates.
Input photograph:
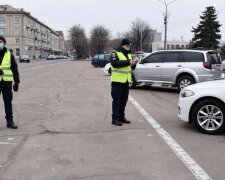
{"type": "Point", "coordinates": [190, 128]}
{"type": "Point", "coordinates": [157, 88]}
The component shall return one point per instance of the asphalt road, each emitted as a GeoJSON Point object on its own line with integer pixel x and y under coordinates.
{"type": "Point", "coordinates": [63, 109]}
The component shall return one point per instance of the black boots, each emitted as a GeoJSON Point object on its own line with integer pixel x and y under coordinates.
{"type": "Point", "coordinates": [117, 123]}
{"type": "Point", "coordinates": [124, 120]}
{"type": "Point", "coordinates": [12, 126]}
{"type": "Point", "coordinates": [120, 122]}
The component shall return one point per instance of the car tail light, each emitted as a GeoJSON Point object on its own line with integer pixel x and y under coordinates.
{"type": "Point", "coordinates": [207, 65]}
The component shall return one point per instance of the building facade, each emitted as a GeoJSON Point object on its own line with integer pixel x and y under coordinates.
{"type": "Point", "coordinates": [159, 45]}
{"type": "Point", "coordinates": [61, 41]}
{"type": "Point", "coordinates": [27, 35]}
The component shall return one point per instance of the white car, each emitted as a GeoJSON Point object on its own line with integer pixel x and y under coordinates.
{"type": "Point", "coordinates": [178, 68]}
{"type": "Point", "coordinates": [204, 105]}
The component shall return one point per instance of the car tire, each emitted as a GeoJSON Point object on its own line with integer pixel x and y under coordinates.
{"type": "Point", "coordinates": [184, 81]}
{"type": "Point", "coordinates": [208, 116]}
{"type": "Point", "coordinates": [95, 65]}
{"type": "Point", "coordinates": [133, 82]}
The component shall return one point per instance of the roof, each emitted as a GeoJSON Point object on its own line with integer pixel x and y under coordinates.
{"type": "Point", "coordinates": [186, 50]}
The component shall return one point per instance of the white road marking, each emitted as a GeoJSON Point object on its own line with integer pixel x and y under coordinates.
{"type": "Point", "coordinates": [10, 139]}
{"type": "Point", "coordinates": [196, 170]}
{"type": "Point", "coordinates": [7, 143]}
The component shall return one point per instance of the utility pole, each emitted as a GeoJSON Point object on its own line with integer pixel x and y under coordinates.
{"type": "Point", "coordinates": [141, 41]}
{"type": "Point", "coordinates": [166, 19]}
{"type": "Point", "coordinates": [165, 23]}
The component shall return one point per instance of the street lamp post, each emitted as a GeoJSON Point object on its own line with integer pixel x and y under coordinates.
{"type": "Point", "coordinates": [141, 41]}
{"type": "Point", "coordinates": [166, 19]}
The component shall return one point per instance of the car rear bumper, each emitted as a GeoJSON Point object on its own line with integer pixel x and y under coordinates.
{"type": "Point", "coordinates": [210, 77]}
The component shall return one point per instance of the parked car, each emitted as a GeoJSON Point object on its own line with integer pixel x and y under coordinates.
{"type": "Point", "coordinates": [62, 57]}
{"type": "Point", "coordinates": [24, 58]}
{"type": "Point", "coordinates": [178, 68]}
{"type": "Point", "coordinates": [51, 57]}
{"type": "Point", "coordinates": [204, 105]}
{"type": "Point", "coordinates": [100, 60]}
{"type": "Point", "coordinates": [222, 55]}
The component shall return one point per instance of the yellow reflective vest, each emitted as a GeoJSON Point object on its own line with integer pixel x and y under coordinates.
{"type": "Point", "coordinates": [6, 67]}
{"type": "Point", "coordinates": [121, 74]}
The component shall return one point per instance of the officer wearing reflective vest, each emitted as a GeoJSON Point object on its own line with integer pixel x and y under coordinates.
{"type": "Point", "coordinates": [121, 67]}
{"type": "Point", "coordinates": [8, 74]}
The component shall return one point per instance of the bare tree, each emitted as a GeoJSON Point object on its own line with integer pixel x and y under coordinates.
{"type": "Point", "coordinates": [141, 35]}
{"type": "Point", "coordinates": [114, 43]}
{"type": "Point", "coordinates": [99, 39]}
{"type": "Point", "coordinates": [78, 41]}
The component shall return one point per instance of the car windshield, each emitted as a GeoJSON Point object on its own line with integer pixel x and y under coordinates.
{"type": "Point", "coordinates": [138, 56]}
{"type": "Point", "coordinates": [24, 56]}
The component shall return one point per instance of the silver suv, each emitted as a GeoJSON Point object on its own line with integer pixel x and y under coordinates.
{"type": "Point", "coordinates": [178, 68]}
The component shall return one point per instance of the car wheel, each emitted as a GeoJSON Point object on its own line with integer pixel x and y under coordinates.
{"type": "Point", "coordinates": [184, 81]}
{"type": "Point", "coordinates": [133, 82]}
{"type": "Point", "coordinates": [95, 65]}
{"type": "Point", "coordinates": [208, 116]}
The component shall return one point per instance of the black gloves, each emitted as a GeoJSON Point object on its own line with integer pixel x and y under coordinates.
{"type": "Point", "coordinates": [16, 87]}
{"type": "Point", "coordinates": [1, 72]}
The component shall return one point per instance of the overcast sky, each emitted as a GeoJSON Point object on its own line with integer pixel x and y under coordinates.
{"type": "Point", "coordinates": [117, 15]}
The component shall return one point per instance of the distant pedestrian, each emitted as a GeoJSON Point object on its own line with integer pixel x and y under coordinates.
{"type": "Point", "coordinates": [8, 74]}
{"type": "Point", "coordinates": [122, 65]}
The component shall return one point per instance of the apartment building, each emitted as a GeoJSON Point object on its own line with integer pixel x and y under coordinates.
{"type": "Point", "coordinates": [61, 41]}
{"type": "Point", "coordinates": [25, 34]}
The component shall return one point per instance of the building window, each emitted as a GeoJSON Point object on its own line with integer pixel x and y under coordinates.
{"type": "Point", "coordinates": [17, 51]}
{"type": "Point", "coordinates": [16, 20]}
{"type": "Point", "coordinates": [2, 30]}
{"type": "Point", "coordinates": [2, 20]}
{"type": "Point", "coordinates": [17, 40]}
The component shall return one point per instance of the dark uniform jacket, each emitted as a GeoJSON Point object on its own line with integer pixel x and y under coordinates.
{"type": "Point", "coordinates": [116, 63]}
{"type": "Point", "coordinates": [14, 66]}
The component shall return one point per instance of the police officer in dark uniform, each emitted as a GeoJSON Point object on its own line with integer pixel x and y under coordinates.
{"type": "Point", "coordinates": [121, 67]}
{"type": "Point", "coordinates": [8, 74]}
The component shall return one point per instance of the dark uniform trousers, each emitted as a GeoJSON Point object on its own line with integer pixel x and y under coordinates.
{"type": "Point", "coordinates": [7, 94]}
{"type": "Point", "coordinates": [119, 93]}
